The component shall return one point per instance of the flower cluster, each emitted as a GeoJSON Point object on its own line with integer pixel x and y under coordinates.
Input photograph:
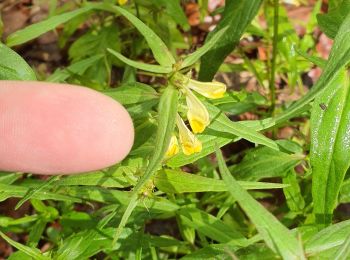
{"type": "Point", "coordinates": [197, 114]}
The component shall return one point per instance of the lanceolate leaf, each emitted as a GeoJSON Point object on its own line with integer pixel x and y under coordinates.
{"type": "Point", "coordinates": [345, 192]}
{"type": "Point", "coordinates": [264, 162]}
{"type": "Point", "coordinates": [33, 252]}
{"type": "Point", "coordinates": [331, 21]}
{"type": "Point", "coordinates": [8, 191]}
{"type": "Point", "coordinates": [330, 146]}
{"type": "Point", "coordinates": [13, 67]}
{"type": "Point", "coordinates": [35, 30]}
{"type": "Point", "coordinates": [222, 124]}
{"type": "Point", "coordinates": [174, 181]}
{"type": "Point", "coordinates": [132, 93]}
{"type": "Point", "coordinates": [276, 236]}
{"type": "Point", "coordinates": [327, 239]}
{"type": "Point", "coordinates": [174, 10]}
{"type": "Point", "coordinates": [237, 16]}
{"type": "Point", "coordinates": [294, 198]}
{"type": "Point", "coordinates": [141, 65]}
{"type": "Point", "coordinates": [160, 51]}
{"type": "Point", "coordinates": [343, 251]}
{"type": "Point", "coordinates": [195, 56]}
{"type": "Point", "coordinates": [211, 226]}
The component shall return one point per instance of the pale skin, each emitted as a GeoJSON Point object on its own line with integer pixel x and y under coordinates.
{"type": "Point", "coordinates": [48, 128]}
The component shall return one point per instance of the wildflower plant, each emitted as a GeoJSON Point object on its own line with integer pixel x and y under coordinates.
{"type": "Point", "coordinates": [179, 120]}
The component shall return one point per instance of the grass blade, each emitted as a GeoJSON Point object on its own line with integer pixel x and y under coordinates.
{"type": "Point", "coordinates": [327, 239]}
{"type": "Point", "coordinates": [175, 181]}
{"type": "Point", "coordinates": [343, 252]}
{"type": "Point", "coordinates": [276, 236]}
{"type": "Point", "coordinates": [222, 124]}
{"type": "Point", "coordinates": [159, 49]}
{"type": "Point", "coordinates": [32, 191]}
{"type": "Point", "coordinates": [32, 31]}
{"type": "Point", "coordinates": [35, 253]}
{"type": "Point", "coordinates": [195, 56]}
{"type": "Point", "coordinates": [141, 65]}
{"type": "Point", "coordinates": [237, 16]}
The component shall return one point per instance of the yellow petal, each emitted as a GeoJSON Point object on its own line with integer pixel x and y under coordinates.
{"type": "Point", "coordinates": [189, 143]}
{"type": "Point", "coordinates": [122, 2]}
{"type": "Point", "coordinates": [190, 148]}
{"type": "Point", "coordinates": [173, 147]}
{"type": "Point", "coordinates": [213, 89]}
{"type": "Point", "coordinates": [197, 113]}
{"type": "Point", "coordinates": [292, 2]}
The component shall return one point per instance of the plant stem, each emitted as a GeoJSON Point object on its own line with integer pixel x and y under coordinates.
{"type": "Point", "coordinates": [274, 54]}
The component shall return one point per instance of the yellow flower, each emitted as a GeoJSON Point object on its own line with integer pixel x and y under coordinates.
{"type": "Point", "coordinates": [197, 113]}
{"type": "Point", "coordinates": [173, 147]}
{"type": "Point", "coordinates": [213, 89]}
{"type": "Point", "coordinates": [292, 2]}
{"type": "Point", "coordinates": [122, 2]}
{"type": "Point", "coordinates": [189, 143]}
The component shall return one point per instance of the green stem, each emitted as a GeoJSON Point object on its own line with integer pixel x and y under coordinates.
{"type": "Point", "coordinates": [274, 54]}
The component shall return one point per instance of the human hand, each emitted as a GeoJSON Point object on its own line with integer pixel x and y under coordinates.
{"type": "Point", "coordinates": [48, 128]}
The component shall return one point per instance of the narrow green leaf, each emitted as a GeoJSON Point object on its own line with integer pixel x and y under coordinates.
{"type": "Point", "coordinates": [264, 162]}
{"type": "Point", "coordinates": [126, 215]}
{"type": "Point", "coordinates": [9, 178]}
{"type": "Point", "coordinates": [32, 191]}
{"type": "Point", "coordinates": [294, 198]}
{"type": "Point", "coordinates": [276, 236]}
{"type": "Point", "coordinates": [141, 65]}
{"type": "Point", "coordinates": [331, 21]}
{"type": "Point", "coordinates": [175, 181]}
{"type": "Point", "coordinates": [37, 230]}
{"type": "Point", "coordinates": [99, 178]}
{"type": "Point", "coordinates": [13, 67]}
{"type": "Point", "coordinates": [132, 93]}
{"type": "Point", "coordinates": [32, 31]}
{"type": "Point", "coordinates": [77, 68]}
{"type": "Point", "coordinates": [166, 122]}
{"type": "Point", "coordinates": [327, 239]}
{"type": "Point", "coordinates": [313, 59]}
{"type": "Point", "coordinates": [211, 226]}
{"type": "Point", "coordinates": [343, 253]}
{"type": "Point", "coordinates": [222, 124]}
{"type": "Point", "coordinates": [330, 154]}
{"type": "Point", "coordinates": [8, 191]}
{"type": "Point", "coordinates": [195, 56]}
{"type": "Point", "coordinates": [112, 196]}
{"type": "Point", "coordinates": [35, 253]}
{"type": "Point", "coordinates": [237, 16]}
{"type": "Point", "coordinates": [174, 10]}
{"type": "Point", "coordinates": [345, 192]}
{"type": "Point", "coordinates": [158, 47]}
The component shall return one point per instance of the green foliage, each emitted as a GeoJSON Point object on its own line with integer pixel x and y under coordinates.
{"type": "Point", "coordinates": [329, 146]}
{"type": "Point", "coordinates": [236, 16]}
{"type": "Point", "coordinates": [265, 195]}
{"type": "Point", "coordinates": [276, 236]}
{"type": "Point", "coordinates": [331, 21]}
{"type": "Point", "coordinates": [13, 67]}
